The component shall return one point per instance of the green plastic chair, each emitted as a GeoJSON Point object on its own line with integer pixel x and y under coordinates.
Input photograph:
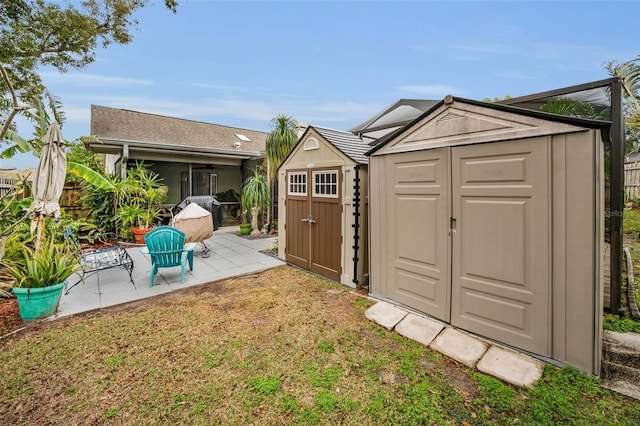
{"type": "Point", "coordinates": [166, 248]}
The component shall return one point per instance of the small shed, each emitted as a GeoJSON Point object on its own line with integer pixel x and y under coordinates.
{"type": "Point", "coordinates": [491, 218]}
{"type": "Point", "coordinates": [322, 208]}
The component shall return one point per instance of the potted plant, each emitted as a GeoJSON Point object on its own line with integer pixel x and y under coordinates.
{"type": "Point", "coordinates": [245, 227]}
{"type": "Point", "coordinates": [40, 276]}
{"type": "Point", "coordinates": [256, 196]}
{"type": "Point", "coordinates": [140, 205]}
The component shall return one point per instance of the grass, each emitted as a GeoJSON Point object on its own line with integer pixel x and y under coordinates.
{"type": "Point", "coordinates": [631, 230]}
{"type": "Point", "coordinates": [269, 349]}
{"type": "Point", "coordinates": [631, 222]}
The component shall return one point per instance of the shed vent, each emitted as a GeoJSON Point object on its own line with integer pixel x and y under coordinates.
{"type": "Point", "coordinates": [311, 144]}
{"type": "Point", "coordinates": [450, 116]}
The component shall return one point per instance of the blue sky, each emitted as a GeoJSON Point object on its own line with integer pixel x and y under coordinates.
{"type": "Point", "coordinates": [335, 64]}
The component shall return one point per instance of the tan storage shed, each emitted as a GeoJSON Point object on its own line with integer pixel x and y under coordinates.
{"type": "Point", "coordinates": [491, 218]}
{"type": "Point", "coordinates": [322, 210]}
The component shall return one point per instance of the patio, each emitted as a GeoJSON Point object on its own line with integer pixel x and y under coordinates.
{"type": "Point", "coordinates": [230, 256]}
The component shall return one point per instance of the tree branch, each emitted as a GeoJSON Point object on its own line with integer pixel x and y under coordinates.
{"type": "Point", "coordinates": [15, 109]}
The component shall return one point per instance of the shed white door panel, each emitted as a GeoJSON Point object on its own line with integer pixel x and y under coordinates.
{"type": "Point", "coordinates": [417, 231]}
{"type": "Point", "coordinates": [500, 254]}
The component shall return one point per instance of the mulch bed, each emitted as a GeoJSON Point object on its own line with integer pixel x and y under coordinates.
{"type": "Point", "coordinates": [9, 316]}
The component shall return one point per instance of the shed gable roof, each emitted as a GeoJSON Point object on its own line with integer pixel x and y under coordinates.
{"type": "Point", "coordinates": [347, 143]}
{"type": "Point", "coordinates": [125, 125]}
{"type": "Point", "coordinates": [457, 121]}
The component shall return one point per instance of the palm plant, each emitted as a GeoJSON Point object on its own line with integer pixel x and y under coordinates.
{"type": "Point", "coordinates": [256, 195]}
{"type": "Point", "coordinates": [280, 142]}
{"type": "Point", "coordinates": [133, 201]}
{"type": "Point", "coordinates": [41, 116]}
{"type": "Point", "coordinates": [571, 107]}
{"type": "Point", "coordinates": [629, 75]}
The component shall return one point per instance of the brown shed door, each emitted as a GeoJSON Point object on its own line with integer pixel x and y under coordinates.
{"type": "Point", "coordinates": [500, 246]}
{"type": "Point", "coordinates": [417, 231]}
{"type": "Point", "coordinates": [314, 218]}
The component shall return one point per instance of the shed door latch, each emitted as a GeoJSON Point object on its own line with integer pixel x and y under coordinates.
{"type": "Point", "coordinates": [309, 219]}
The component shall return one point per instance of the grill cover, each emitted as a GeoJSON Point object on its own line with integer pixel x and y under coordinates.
{"type": "Point", "coordinates": [195, 222]}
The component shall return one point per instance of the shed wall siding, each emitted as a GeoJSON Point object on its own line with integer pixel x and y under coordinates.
{"type": "Point", "coordinates": [574, 231]}
{"type": "Point", "coordinates": [577, 249]}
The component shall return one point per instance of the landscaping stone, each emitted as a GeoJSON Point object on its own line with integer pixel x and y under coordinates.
{"type": "Point", "coordinates": [621, 363]}
{"type": "Point", "coordinates": [459, 346]}
{"type": "Point", "coordinates": [512, 367]}
{"type": "Point", "coordinates": [420, 329]}
{"type": "Point", "coordinates": [385, 314]}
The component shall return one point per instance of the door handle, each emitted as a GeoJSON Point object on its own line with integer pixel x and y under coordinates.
{"type": "Point", "coordinates": [309, 219]}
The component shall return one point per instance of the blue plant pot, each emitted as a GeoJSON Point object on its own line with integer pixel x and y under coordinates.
{"type": "Point", "coordinates": [37, 303]}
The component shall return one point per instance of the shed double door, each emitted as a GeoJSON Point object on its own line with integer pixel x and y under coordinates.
{"type": "Point", "coordinates": [314, 221]}
{"type": "Point", "coordinates": [470, 238]}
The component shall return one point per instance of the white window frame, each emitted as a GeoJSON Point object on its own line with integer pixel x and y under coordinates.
{"type": "Point", "coordinates": [334, 183]}
{"type": "Point", "coordinates": [301, 186]}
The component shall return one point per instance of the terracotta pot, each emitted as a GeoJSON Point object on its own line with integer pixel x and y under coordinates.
{"type": "Point", "coordinates": [139, 233]}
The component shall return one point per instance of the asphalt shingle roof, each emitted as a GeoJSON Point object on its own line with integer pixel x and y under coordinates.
{"type": "Point", "coordinates": [127, 125]}
{"type": "Point", "coordinates": [348, 143]}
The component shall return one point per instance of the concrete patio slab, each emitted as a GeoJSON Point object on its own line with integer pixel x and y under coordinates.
{"type": "Point", "coordinates": [512, 367]}
{"type": "Point", "coordinates": [422, 330]}
{"type": "Point", "coordinates": [385, 314]}
{"type": "Point", "coordinates": [460, 346]}
{"type": "Point", "coordinates": [229, 255]}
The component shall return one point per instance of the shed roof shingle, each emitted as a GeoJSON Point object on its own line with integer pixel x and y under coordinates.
{"type": "Point", "coordinates": [348, 143]}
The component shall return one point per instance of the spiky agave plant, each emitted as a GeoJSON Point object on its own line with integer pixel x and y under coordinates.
{"type": "Point", "coordinates": [49, 265]}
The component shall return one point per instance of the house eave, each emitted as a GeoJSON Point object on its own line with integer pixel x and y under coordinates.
{"type": "Point", "coordinates": [115, 146]}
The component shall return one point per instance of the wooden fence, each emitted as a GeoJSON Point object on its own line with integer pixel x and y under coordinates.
{"type": "Point", "coordinates": [69, 200]}
{"type": "Point", "coordinates": [632, 181]}
{"type": "Point", "coordinates": [5, 185]}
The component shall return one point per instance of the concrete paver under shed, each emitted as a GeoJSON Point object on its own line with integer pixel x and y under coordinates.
{"type": "Point", "coordinates": [460, 346]}
{"type": "Point", "coordinates": [418, 328]}
{"type": "Point", "coordinates": [512, 367]}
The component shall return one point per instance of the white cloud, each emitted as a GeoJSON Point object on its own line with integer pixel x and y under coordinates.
{"type": "Point", "coordinates": [437, 90]}
{"type": "Point", "coordinates": [91, 80]}
{"type": "Point", "coordinates": [485, 49]}
{"type": "Point", "coordinates": [215, 110]}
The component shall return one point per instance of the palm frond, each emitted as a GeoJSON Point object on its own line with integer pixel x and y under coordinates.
{"type": "Point", "coordinates": [629, 75]}
{"type": "Point", "coordinates": [280, 142]}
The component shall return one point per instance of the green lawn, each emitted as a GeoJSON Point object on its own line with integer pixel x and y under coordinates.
{"type": "Point", "coordinates": [631, 222]}
{"type": "Point", "coordinates": [280, 347]}
{"type": "Point", "coordinates": [631, 230]}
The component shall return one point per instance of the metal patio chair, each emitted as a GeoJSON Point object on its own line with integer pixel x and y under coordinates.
{"type": "Point", "coordinates": [166, 247]}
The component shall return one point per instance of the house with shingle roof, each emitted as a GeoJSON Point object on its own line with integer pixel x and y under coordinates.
{"type": "Point", "coordinates": [192, 157]}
